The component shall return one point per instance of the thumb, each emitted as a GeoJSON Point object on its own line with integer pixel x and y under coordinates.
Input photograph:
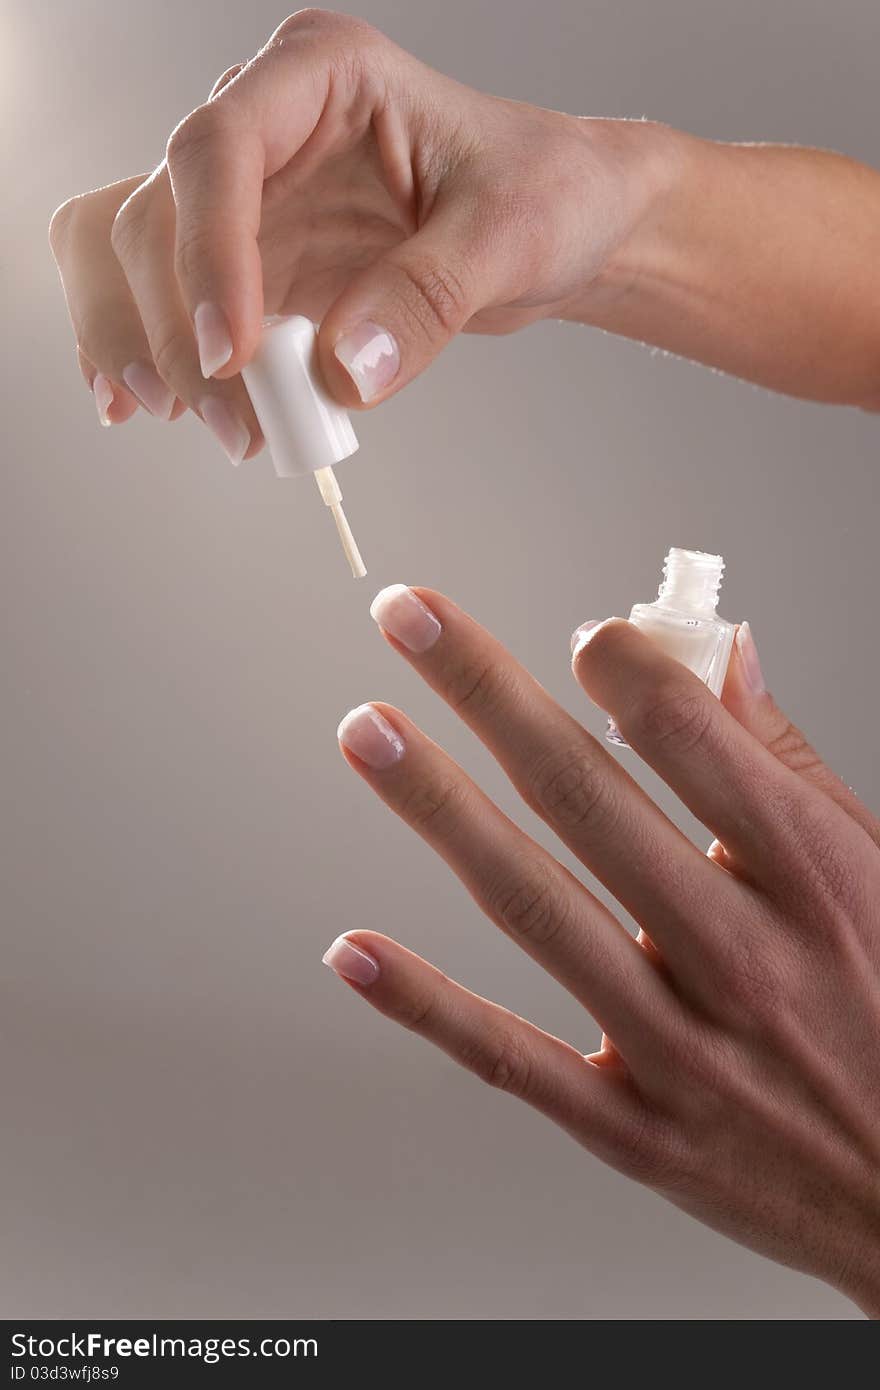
{"type": "Point", "coordinates": [393, 318]}
{"type": "Point", "coordinates": [748, 700]}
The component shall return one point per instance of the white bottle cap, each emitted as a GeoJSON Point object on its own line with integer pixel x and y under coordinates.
{"type": "Point", "coordinates": [304, 427]}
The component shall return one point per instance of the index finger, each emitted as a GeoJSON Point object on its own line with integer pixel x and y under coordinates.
{"type": "Point", "coordinates": [219, 158]}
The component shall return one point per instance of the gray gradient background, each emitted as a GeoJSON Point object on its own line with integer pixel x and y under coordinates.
{"type": "Point", "coordinates": [198, 1118]}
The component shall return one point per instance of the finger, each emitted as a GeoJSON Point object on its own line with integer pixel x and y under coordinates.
{"type": "Point", "coordinates": [109, 334]}
{"type": "Point", "coordinates": [218, 160]}
{"type": "Point", "coordinates": [752, 705]}
{"type": "Point", "coordinates": [124, 403]}
{"type": "Point", "coordinates": [765, 816]}
{"type": "Point", "coordinates": [563, 773]}
{"type": "Point", "coordinates": [597, 1105]}
{"type": "Point", "coordinates": [143, 240]}
{"type": "Point", "coordinates": [113, 402]}
{"type": "Point", "coordinates": [394, 317]}
{"type": "Point", "coordinates": [224, 79]}
{"type": "Point", "coordinates": [537, 902]}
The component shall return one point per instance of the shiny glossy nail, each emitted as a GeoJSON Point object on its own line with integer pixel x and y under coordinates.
{"type": "Point", "coordinates": [231, 431]}
{"type": "Point", "coordinates": [368, 735]}
{"type": "Point", "coordinates": [748, 655]}
{"type": "Point", "coordinates": [581, 635]}
{"type": "Point", "coordinates": [144, 381]}
{"type": "Point", "coordinates": [213, 338]}
{"type": "Point", "coordinates": [102, 387]}
{"type": "Point", "coordinates": [403, 615]}
{"type": "Point", "coordinates": [351, 962]}
{"type": "Point", "coordinates": [370, 356]}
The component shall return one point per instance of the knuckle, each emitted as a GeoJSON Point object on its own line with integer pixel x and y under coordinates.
{"type": "Point", "coordinates": [528, 909]}
{"type": "Point", "coordinates": [470, 685]}
{"type": "Point", "coordinates": [91, 339]}
{"type": "Point", "coordinates": [432, 806]}
{"type": "Point", "coordinates": [791, 748]}
{"type": "Point", "coordinates": [127, 228]}
{"type": "Point", "coordinates": [171, 350]}
{"type": "Point", "coordinates": [414, 1013]}
{"type": "Point", "coordinates": [501, 1060]}
{"type": "Point", "coordinates": [189, 138]}
{"type": "Point", "coordinates": [433, 298]}
{"type": "Point", "coordinates": [473, 686]}
{"type": "Point", "coordinates": [569, 789]}
{"type": "Point", "coordinates": [62, 221]}
{"type": "Point", "coordinates": [677, 718]}
{"type": "Point", "coordinates": [315, 21]}
{"type": "Point", "coordinates": [195, 248]}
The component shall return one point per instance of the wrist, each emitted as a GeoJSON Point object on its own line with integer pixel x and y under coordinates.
{"type": "Point", "coordinates": [649, 173]}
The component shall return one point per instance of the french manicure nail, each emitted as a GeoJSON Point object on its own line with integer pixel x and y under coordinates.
{"type": "Point", "coordinates": [213, 338]}
{"type": "Point", "coordinates": [581, 635]}
{"type": "Point", "coordinates": [351, 962]}
{"type": "Point", "coordinates": [231, 431]}
{"type": "Point", "coordinates": [370, 356]}
{"type": "Point", "coordinates": [751, 664]}
{"type": "Point", "coordinates": [102, 388]}
{"type": "Point", "coordinates": [367, 734]}
{"type": "Point", "coordinates": [402, 613]}
{"type": "Point", "coordinates": [144, 381]}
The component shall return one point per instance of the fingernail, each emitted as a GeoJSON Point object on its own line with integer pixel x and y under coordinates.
{"type": "Point", "coordinates": [213, 338]}
{"type": "Point", "coordinates": [370, 356]}
{"type": "Point", "coordinates": [231, 431]}
{"type": "Point", "coordinates": [402, 613]}
{"type": "Point", "coordinates": [371, 738]}
{"type": "Point", "coordinates": [145, 382]}
{"type": "Point", "coordinates": [103, 392]}
{"type": "Point", "coordinates": [581, 635]}
{"type": "Point", "coordinates": [351, 962]}
{"type": "Point", "coordinates": [748, 654]}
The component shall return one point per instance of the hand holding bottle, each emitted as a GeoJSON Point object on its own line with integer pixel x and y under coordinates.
{"type": "Point", "coordinates": [738, 1075]}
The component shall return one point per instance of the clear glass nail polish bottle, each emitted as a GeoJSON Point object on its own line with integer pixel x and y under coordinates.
{"type": "Point", "coordinates": [684, 622]}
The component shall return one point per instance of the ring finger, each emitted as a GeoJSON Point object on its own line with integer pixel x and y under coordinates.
{"type": "Point", "coordinates": [112, 347]}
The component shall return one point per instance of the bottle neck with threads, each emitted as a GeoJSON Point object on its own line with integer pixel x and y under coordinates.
{"type": "Point", "coordinates": [691, 581]}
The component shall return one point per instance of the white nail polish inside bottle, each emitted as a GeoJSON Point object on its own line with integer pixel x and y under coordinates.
{"type": "Point", "coordinates": [684, 622]}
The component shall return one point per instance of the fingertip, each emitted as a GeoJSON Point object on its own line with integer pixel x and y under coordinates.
{"type": "Point", "coordinates": [360, 358]}
{"type": "Point", "coordinates": [586, 634]}
{"type": "Point", "coordinates": [246, 337]}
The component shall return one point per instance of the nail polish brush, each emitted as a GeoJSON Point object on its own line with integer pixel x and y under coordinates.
{"type": "Point", "coordinates": [305, 429]}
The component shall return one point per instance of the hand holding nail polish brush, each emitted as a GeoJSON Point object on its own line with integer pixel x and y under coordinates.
{"type": "Point", "coordinates": [305, 429]}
